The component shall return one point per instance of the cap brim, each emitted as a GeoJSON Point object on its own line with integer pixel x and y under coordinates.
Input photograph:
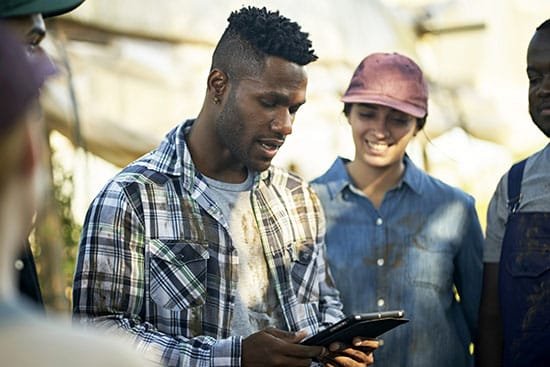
{"type": "Point", "coordinates": [402, 106]}
{"type": "Point", "coordinates": [47, 8]}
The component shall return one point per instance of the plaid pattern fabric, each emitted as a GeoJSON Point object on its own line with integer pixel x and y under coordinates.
{"type": "Point", "coordinates": [156, 259]}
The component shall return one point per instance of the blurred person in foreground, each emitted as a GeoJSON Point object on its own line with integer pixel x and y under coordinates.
{"type": "Point", "coordinates": [398, 238]}
{"type": "Point", "coordinates": [202, 250]}
{"type": "Point", "coordinates": [26, 19]}
{"type": "Point", "coordinates": [514, 327]}
{"type": "Point", "coordinates": [26, 338]}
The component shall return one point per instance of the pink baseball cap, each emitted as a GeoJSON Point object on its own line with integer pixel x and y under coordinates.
{"type": "Point", "coordinates": [392, 80]}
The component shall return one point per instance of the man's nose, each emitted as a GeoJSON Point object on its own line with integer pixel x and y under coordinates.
{"type": "Point", "coordinates": [282, 124]}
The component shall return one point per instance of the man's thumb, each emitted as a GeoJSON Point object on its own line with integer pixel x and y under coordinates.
{"type": "Point", "coordinates": [289, 336]}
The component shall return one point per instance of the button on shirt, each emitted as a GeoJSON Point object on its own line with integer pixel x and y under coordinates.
{"type": "Point", "coordinates": [156, 258]}
{"type": "Point", "coordinates": [408, 254]}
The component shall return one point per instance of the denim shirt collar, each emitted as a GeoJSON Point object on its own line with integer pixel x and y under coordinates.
{"type": "Point", "coordinates": [338, 178]}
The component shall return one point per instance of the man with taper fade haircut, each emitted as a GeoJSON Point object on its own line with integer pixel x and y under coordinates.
{"type": "Point", "coordinates": [202, 251]}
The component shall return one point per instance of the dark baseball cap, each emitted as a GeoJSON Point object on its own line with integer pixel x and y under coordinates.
{"type": "Point", "coordinates": [48, 8]}
{"type": "Point", "coordinates": [392, 80]}
{"type": "Point", "coordinates": [20, 79]}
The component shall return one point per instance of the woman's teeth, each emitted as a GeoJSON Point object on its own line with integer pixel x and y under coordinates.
{"type": "Point", "coordinates": [377, 146]}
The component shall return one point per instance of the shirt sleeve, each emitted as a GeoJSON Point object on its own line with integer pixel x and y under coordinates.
{"type": "Point", "coordinates": [330, 305]}
{"type": "Point", "coordinates": [110, 287]}
{"type": "Point", "coordinates": [468, 263]}
{"type": "Point", "coordinates": [497, 214]}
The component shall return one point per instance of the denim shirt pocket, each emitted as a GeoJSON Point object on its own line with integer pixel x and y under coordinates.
{"type": "Point", "coordinates": [178, 272]}
{"type": "Point", "coordinates": [430, 263]}
{"type": "Point", "coordinates": [303, 271]}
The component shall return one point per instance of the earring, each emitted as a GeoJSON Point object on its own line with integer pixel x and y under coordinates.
{"type": "Point", "coordinates": [216, 100]}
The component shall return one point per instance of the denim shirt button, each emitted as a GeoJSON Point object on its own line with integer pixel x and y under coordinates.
{"type": "Point", "coordinates": [380, 262]}
{"type": "Point", "coordinates": [379, 221]}
{"type": "Point", "coordinates": [381, 302]}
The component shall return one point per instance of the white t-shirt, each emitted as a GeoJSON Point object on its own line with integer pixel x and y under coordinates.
{"type": "Point", "coordinates": [256, 304]}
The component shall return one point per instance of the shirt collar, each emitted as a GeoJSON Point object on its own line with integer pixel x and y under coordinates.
{"type": "Point", "coordinates": [338, 178]}
{"type": "Point", "coordinates": [175, 158]}
{"type": "Point", "coordinates": [413, 177]}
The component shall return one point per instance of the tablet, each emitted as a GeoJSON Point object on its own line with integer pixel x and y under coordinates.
{"type": "Point", "coordinates": [366, 325]}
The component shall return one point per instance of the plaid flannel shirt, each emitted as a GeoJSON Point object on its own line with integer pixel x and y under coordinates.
{"type": "Point", "coordinates": [156, 259]}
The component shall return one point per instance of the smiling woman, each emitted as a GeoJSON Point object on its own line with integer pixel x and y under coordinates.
{"type": "Point", "coordinates": [401, 234]}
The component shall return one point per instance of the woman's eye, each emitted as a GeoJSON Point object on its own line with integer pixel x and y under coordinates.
{"type": "Point", "coordinates": [400, 120]}
{"type": "Point", "coordinates": [366, 115]}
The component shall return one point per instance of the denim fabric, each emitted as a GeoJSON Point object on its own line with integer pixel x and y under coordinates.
{"type": "Point", "coordinates": [424, 239]}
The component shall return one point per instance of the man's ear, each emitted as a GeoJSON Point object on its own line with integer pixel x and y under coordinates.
{"type": "Point", "coordinates": [217, 83]}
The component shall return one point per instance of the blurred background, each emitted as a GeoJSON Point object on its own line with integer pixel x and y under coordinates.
{"type": "Point", "coordinates": [133, 69]}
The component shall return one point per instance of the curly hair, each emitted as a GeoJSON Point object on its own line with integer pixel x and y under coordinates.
{"type": "Point", "coordinates": [253, 34]}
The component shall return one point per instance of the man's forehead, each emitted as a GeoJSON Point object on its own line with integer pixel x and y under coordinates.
{"type": "Point", "coordinates": [540, 42]}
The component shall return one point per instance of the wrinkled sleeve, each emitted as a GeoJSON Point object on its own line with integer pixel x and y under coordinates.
{"type": "Point", "coordinates": [330, 305]}
{"type": "Point", "coordinates": [110, 287]}
{"type": "Point", "coordinates": [469, 266]}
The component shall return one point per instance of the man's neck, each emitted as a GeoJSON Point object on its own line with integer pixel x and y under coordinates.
{"type": "Point", "coordinates": [208, 156]}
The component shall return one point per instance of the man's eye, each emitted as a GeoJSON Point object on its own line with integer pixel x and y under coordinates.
{"type": "Point", "coordinates": [267, 103]}
{"type": "Point", "coordinates": [293, 109]}
{"type": "Point", "coordinates": [534, 78]}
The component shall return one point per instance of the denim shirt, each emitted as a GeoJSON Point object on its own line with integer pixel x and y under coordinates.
{"type": "Point", "coordinates": [424, 240]}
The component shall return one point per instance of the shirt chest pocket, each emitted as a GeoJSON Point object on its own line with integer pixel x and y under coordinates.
{"type": "Point", "coordinates": [304, 271]}
{"type": "Point", "coordinates": [178, 273]}
{"type": "Point", "coordinates": [430, 264]}
{"type": "Point", "coordinates": [530, 270]}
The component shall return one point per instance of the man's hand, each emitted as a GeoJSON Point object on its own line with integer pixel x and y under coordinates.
{"type": "Point", "coordinates": [274, 347]}
{"type": "Point", "coordinates": [357, 355]}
